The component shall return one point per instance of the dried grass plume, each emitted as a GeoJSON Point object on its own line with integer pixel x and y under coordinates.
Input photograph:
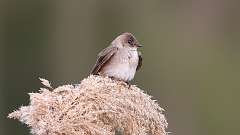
{"type": "Point", "coordinates": [97, 106]}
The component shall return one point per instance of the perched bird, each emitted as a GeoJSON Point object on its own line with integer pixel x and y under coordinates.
{"type": "Point", "coordinates": [120, 60]}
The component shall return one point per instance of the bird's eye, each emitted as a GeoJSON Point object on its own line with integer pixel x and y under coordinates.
{"type": "Point", "coordinates": [130, 40]}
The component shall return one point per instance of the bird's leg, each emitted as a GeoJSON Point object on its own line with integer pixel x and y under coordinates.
{"type": "Point", "coordinates": [113, 78]}
{"type": "Point", "coordinates": [129, 84]}
{"type": "Point", "coordinates": [123, 82]}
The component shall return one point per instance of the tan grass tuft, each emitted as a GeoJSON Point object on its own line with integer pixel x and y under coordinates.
{"type": "Point", "coordinates": [97, 106]}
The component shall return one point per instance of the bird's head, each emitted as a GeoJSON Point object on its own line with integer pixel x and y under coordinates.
{"type": "Point", "coordinates": [126, 40]}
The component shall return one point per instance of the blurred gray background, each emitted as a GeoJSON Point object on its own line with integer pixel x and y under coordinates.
{"type": "Point", "coordinates": [191, 55]}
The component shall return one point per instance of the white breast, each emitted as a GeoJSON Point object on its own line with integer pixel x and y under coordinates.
{"type": "Point", "coordinates": [123, 65]}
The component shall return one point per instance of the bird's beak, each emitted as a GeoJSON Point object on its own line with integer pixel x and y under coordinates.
{"type": "Point", "coordinates": [139, 45]}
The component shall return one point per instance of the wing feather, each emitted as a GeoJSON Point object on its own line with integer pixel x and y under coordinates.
{"type": "Point", "coordinates": [139, 60]}
{"type": "Point", "coordinates": [103, 57]}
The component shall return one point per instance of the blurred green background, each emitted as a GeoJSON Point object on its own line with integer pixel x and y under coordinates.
{"type": "Point", "coordinates": [191, 55]}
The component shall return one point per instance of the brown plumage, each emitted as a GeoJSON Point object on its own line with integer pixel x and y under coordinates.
{"type": "Point", "coordinates": [103, 57]}
{"type": "Point", "coordinates": [120, 60]}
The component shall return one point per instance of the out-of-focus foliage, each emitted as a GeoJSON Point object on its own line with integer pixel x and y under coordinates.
{"type": "Point", "coordinates": [191, 54]}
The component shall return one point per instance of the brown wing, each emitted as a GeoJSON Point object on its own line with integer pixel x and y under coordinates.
{"type": "Point", "coordinates": [103, 57]}
{"type": "Point", "coordinates": [139, 60]}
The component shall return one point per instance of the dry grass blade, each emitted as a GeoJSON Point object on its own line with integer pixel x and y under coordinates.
{"type": "Point", "coordinates": [97, 106]}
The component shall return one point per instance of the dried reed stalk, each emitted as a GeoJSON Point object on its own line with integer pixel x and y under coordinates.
{"type": "Point", "coordinates": [97, 106]}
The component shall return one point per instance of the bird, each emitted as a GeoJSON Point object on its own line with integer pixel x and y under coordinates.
{"type": "Point", "coordinates": [120, 60]}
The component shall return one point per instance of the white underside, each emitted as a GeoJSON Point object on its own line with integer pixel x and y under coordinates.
{"type": "Point", "coordinates": [121, 71]}
{"type": "Point", "coordinates": [122, 66]}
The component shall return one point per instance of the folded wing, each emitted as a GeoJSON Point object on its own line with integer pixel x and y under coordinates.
{"type": "Point", "coordinates": [139, 60]}
{"type": "Point", "coordinates": [103, 57]}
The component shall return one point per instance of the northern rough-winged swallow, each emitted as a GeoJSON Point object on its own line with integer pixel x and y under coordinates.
{"type": "Point", "coordinates": [120, 60]}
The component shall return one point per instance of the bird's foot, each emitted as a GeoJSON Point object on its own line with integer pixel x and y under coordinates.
{"type": "Point", "coordinates": [128, 84]}
{"type": "Point", "coordinates": [125, 83]}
